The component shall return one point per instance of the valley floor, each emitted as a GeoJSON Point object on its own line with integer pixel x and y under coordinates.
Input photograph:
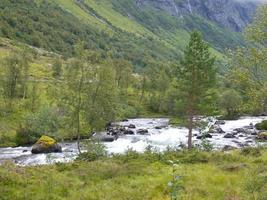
{"type": "Point", "coordinates": [198, 176]}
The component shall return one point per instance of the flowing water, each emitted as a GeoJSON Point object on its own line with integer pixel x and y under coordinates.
{"type": "Point", "coordinates": [166, 136]}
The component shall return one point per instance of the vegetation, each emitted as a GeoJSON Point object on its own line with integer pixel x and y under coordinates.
{"type": "Point", "coordinates": [262, 125]}
{"type": "Point", "coordinates": [201, 175]}
{"type": "Point", "coordinates": [67, 68]}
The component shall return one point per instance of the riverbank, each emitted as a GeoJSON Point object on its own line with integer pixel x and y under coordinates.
{"type": "Point", "coordinates": [198, 176]}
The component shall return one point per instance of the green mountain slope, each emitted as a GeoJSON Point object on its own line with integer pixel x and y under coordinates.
{"type": "Point", "coordinates": [117, 27]}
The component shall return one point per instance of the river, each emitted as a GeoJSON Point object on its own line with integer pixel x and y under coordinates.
{"type": "Point", "coordinates": [160, 135]}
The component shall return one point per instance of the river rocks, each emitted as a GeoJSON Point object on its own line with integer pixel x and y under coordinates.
{"type": "Point", "coordinates": [220, 122]}
{"type": "Point", "coordinates": [46, 145]}
{"type": "Point", "coordinates": [216, 129]}
{"type": "Point", "coordinates": [239, 130]}
{"type": "Point", "coordinates": [200, 137]}
{"type": "Point", "coordinates": [128, 132]}
{"type": "Point", "coordinates": [104, 137]}
{"type": "Point", "coordinates": [246, 130]}
{"type": "Point", "coordinates": [229, 135]}
{"type": "Point", "coordinates": [131, 126]}
{"type": "Point", "coordinates": [142, 131]}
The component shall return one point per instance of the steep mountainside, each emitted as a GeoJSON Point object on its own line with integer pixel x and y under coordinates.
{"type": "Point", "coordinates": [231, 14]}
{"type": "Point", "coordinates": [133, 29]}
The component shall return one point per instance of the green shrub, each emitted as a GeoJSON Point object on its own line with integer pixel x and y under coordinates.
{"type": "Point", "coordinates": [262, 125]}
{"type": "Point", "coordinates": [25, 136]}
{"type": "Point", "coordinates": [230, 101]}
{"type": "Point", "coordinates": [94, 151]}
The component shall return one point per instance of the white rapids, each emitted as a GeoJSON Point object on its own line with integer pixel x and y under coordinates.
{"type": "Point", "coordinates": [160, 139]}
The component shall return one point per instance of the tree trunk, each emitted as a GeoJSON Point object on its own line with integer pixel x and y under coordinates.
{"type": "Point", "coordinates": [79, 109]}
{"type": "Point", "coordinates": [190, 134]}
{"type": "Point", "coordinates": [78, 133]}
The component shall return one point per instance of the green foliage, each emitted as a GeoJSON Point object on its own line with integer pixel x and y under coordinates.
{"type": "Point", "coordinates": [262, 125]}
{"type": "Point", "coordinates": [205, 145]}
{"type": "Point", "coordinates": [46, 121]}
{"type": "Point", "coordinates": [57, 69]}
{"type": "Point", "coordinates": [230, 101]}
{"type": "Point", "coordinates": [197, 74]}
{"type": "Point", "coordinates": [26, 136]}
{"type": "Point", "coordinates": [94, 151]}
{"type": "Point", "coordinates": [248, 72]}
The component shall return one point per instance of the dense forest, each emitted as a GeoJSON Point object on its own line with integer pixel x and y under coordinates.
{"type": "Point", "coordinates": [66, 77]}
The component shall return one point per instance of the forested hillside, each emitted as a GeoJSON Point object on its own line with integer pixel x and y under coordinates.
{"type": "Point", "coordinates": [117, 28]}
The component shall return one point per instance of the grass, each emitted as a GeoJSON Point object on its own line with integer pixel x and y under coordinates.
{"type": "Point", "coordinates": [104, 8]}
{"type": "Point", "coordinates": [74, 9]}
{"type": "Point", "coordinates": [205, 176]}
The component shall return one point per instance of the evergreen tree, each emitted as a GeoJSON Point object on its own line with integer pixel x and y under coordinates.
{"type": "Point", "coordinates": [196, 79]}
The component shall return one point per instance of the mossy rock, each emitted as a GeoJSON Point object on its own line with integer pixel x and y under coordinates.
{"type": "Point", "coordinates": [46, 145]}
{"type": "Point", "coordinates": [262, 125]}
{"type": "Point", "coordinates": [262, 136]}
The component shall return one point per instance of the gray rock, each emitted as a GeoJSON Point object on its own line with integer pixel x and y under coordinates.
{"type": "Point", "coordinates": [142, 131]}
{"type": "Point", "coordinates": [160, 127]}
{"type": "Point", "coordinates": [229, 135]}
{"type": "Point", "coordinates": [39, 148]}
{"type": "Point", "coordinates": [131, 126]}
{"type": "Point", "coordinates": [220, 122]}
{"type": "Point", "coordinates": [216, 129]}
{"type": "Point", "coordinates": [104, 137]}
{"type": "Point", "coordinates": [128, 132]}
{"type": "Point", "coordinates": [200, 137]}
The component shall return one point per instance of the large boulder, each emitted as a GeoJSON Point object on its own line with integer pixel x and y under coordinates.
{"type": "Point", "coordinates": [46, 145]}
{"type": "Point", "coordinates": [104, 137]}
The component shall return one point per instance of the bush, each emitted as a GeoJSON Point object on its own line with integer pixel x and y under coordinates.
{"type": "Point", "coordinates": [46, 121]}
{"type": "Point", "coordinates": [25, 136]}
{"type": "Point", "coordinates": [230, 102]}
{"type": "Point", "coordinates": [94, 151]}
{"type": "Point", "coordinates": [262, 125]}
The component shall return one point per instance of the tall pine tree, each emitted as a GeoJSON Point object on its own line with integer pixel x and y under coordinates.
{"type": "Point", "coordinates": [196, 79]}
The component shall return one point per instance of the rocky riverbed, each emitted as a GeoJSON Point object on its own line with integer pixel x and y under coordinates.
{"type": "Point", "coordinates": [137, 134]}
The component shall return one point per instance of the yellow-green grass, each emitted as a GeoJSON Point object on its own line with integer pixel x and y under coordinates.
{"type": "Point", "coordinates": [104, 8]}
{"type": "Point", "coordinates": [139, 177]}
{"type": "Point", "coordinates": [75, 10]}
